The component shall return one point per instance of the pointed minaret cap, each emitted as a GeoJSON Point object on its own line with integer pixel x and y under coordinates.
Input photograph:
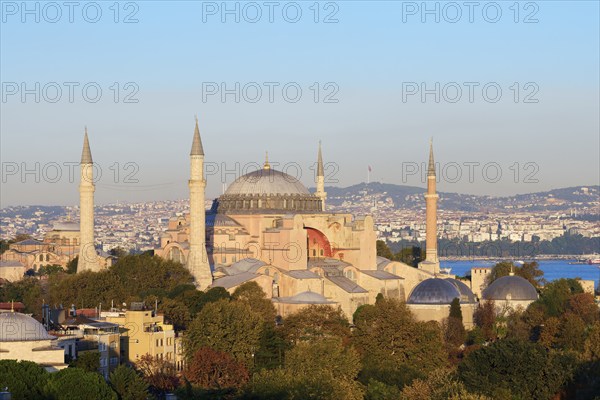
{"type": "Point", "coordinates": [197, 149]}
{"type": "Point", "coordinates": [86, 154]}
{"type": "Point", "coordinates": [267, 165]}
{"type": "Point", "coordinates": [431, 167]}
{"type": "Point", "coordinates": [320, 169]}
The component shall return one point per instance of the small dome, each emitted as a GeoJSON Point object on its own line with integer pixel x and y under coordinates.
{"type": "Point", "coordinates": [17, 327]}
{"type": "Point", "coordinates": [308, 297]}
{"type": "Point", "coordinates": [434, 291]}
{"type": "Point", "coordinates": [267, 181]}
{"type": "Point", "coordinates": [510, 287]}
{"type": "Point", "coordinates": [466, 295]}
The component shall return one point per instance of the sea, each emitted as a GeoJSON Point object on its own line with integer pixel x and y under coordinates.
{"type": "Point", "coordinates": [553, 269]}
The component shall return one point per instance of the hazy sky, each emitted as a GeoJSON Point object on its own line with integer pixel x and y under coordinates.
{"type": "Point", "coordinates": [375, 86]}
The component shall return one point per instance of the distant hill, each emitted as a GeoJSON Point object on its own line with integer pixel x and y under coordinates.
{"type": "Point", "coordinates": [412, 196]}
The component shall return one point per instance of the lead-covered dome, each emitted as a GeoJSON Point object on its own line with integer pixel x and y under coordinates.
{"type": "Point", "coordinates": [510, 287]}
{"type": "Point", "coordinates": [267, 191]}
{"type": "Point", "coordinates": [267, 181]}
{"type": "Point", "coordinates": [17, 327]}
{"type": "Point", "coordinates": [434, 291]}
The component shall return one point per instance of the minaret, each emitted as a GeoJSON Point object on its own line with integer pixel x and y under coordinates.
{"type": "Point", "coordinates": [431, 263]}
{"type": "Point", "coordinates": [197, 262]}
{"type": "Point", "coordinates": [321, 179]}
{"type": "Point", "coordinates": [88, 259]}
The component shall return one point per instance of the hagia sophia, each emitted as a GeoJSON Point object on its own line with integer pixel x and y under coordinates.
{"type": "Point", "coordinates": [269, 228]}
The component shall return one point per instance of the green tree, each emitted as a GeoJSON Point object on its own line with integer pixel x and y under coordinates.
{"type": "Point", "coordinates": [385, 336]}
{"type": "Point", "coordinates": [89, 361]}
{"type": "Point", "coordinates": [76, 384]}
{"type": "Point", "coordinates": [253, 295]}
{"type": "Point", "coordinates": [519, 368]}
{"type": "Point", "coordinates": [439, 385]}
{"type": "Point", "coordinates": [555, 296]}
{"type": "Point", "coordinates": [313, 370]}
{"type": "Point", "coordinates": [24, 379]}
{"type": "Point", "coordinates": [47, 270]}
{"type": "Point", "coordinates": [228, 326]}
{"type": "Point", "coordinates": [529, 271]}
{"type": "Point", "coordinates": [383, 250]}
{"type": "Point", "coordinates": [176, 312]}
{"type": "Point", "coordinates": [454, 333]}
{"type": "Point", "coordinates": [314, 323]}
{"type": "Point", "coordinates": [128, 384]}
{"type": "Point", "coordinates": [485, 319]}
{"type": "Point", "coordinates": [28, 290]}
{"type": "Point", "coordinates": [72, 266]}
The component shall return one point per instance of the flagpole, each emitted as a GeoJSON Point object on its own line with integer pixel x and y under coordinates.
{"type": "Point", "coordinates": [368, 174]}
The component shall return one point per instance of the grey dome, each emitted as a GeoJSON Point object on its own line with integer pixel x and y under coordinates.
{"type": "Point", "coordinates": [17, 327]}
{"type": "Point", "coordinates": [510, 287]}
{"type": "Point", "coordinates": [266, 181]}
{"type": "Point", "coordinates": [307, 297]}
{"type": "Point", "coordinates": [434, 291]}
{"type": "Point", "coordinates": [466, 295]}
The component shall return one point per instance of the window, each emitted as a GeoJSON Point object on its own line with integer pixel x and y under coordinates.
{"type": "Point", "coordinates": [41, 257]}
{"type": "Point", "coordinates": [47, 257]}
{"type": "Point", "coordinates": [114, 360]}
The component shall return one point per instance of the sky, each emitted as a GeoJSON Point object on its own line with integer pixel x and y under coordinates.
{"type": "Point", "coordinates": [509, 92]}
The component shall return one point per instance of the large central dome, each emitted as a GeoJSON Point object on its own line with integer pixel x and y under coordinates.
{"type": "Point", "coordinates": [268, 191]}
{"type": "Point", "coordinates": [267, 181]}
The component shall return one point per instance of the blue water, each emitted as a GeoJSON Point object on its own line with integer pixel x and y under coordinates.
{"type": "Point", "coordinates": [553, 269]}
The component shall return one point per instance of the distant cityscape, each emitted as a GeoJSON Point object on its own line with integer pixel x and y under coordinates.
{"type": "Point", "coordinates": [398, 212]}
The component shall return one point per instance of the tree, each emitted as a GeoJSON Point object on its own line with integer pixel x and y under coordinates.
{"type": "Point", "coordinates": [455, 334]}
{"type": "Point", "coordinates": [555, 296]}
{"type": "Point", "coordinates": [158, 373]}
{"type": "Point", "coordinates": [47, 270]}
{"type": "Point", "coordinates": [529, 271]}
{"type": "Point", "coordinates": [313, 370]}
{"type": "Point", "coordinates": [584, 306]}
{"type": "Point", "coordinates": [128, 384]}
{"type": "Point", "coordinates": [485, 319]}
{"type": "Point", "coordinates": [383, 250]}
{"type": "Point", "coordinates": [76, 384]}
{"type": "Point", "coordinates": [89, 361]}
{"type": "Point", "coordinates": [314, 323]}
{"type": "Point", "coordinates": [518, 369]}
{"type": "Point", "coordinates": [395, 348]}
{"type": "Point", "coordinates": [439, 385]}
{"type": "Point", "coordinates": [227, 326]}
{"type": "Point", "coordinates": [24, 379]}
{"type": "Point", "coordinates": [176, 313]}
{"type": "Point", "coordinates": [253, 295]}
{"type": "Point", "coordinates": [72, 265]}
{"type": "Point", "coordinates": [28, 290]}
{"type": "Point", "coordinates": [215, 370]}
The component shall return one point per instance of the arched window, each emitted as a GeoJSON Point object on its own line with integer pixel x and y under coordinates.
{"type": "Point", "coordinates": [41, 257]}
{"type": "Point", "coordinates": [175, 255]}
{"type": "Point", "coordinates": [349, 273]}
{"type": "Point", "coordinates": [47, 257]}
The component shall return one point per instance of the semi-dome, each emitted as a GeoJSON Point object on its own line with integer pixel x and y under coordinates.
{"type": "Point", "coordinates": [267, 181]}
{"type": "Point", "coordinates": [434, 291]}
{"type": "Point", "coordinates": [267, 191]}
{"type": "Point", "coordinates": [17, 327]}
{"type": "Point", "coordinates": [510, 287]}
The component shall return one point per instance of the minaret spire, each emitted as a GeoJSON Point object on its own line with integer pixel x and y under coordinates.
{"type": "Point", "coordinates": [267, 165]}
{"type": "Point", "coordinates": [321, 179]}
{"type": "Point", "coordinates": [88, 259]}
{"type": "Point", "coordinates": [197, 149]}
{"type": "Point", "coordinates": [197, 261]}
{"type": "Point", "coordinates": [431, 166]}
{"type": "Point", "coordinates": [431, 263]}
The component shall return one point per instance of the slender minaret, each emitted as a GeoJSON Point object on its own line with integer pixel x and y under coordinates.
{"type": "Point", "coordinates": [88, 259]}
{"type": "Point", "coordinates": [431, 263]}
{"type": "Point", "coordinates": [197, 262]}
{"type": "Point", "coordinates": [321, 179]}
